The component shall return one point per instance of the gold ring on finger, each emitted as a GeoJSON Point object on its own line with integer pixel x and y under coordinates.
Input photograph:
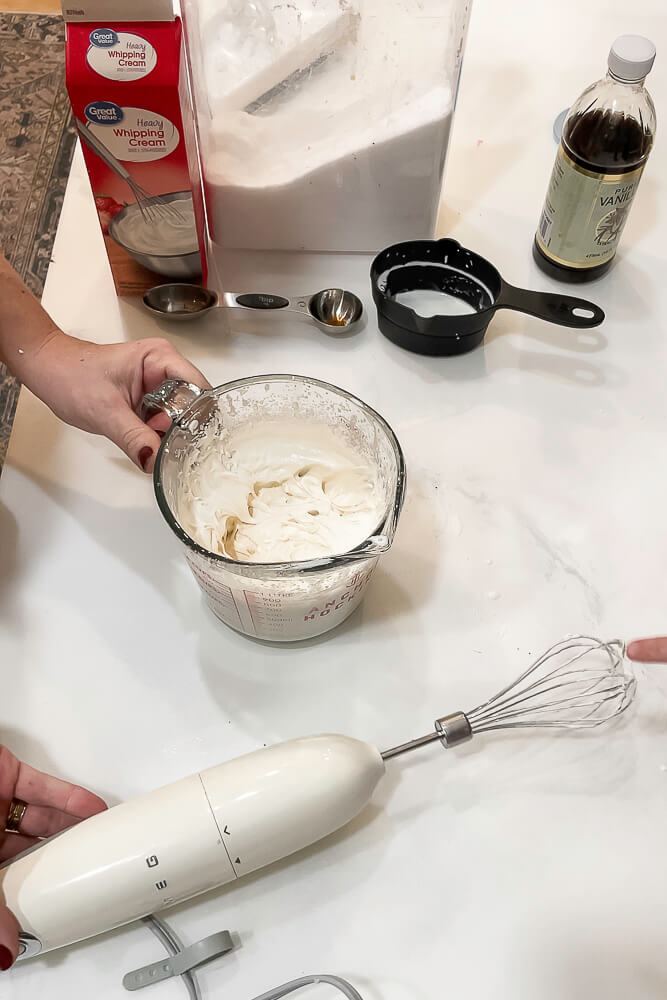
{"type": "Point", "coordinates": [17, 808]}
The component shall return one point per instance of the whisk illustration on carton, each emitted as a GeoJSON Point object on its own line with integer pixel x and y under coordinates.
{"type": "Point", "coordinates": [220, 824]}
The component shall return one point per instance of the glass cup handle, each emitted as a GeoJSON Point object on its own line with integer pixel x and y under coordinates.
{"type": "Point", "coordinates": [173, 397]}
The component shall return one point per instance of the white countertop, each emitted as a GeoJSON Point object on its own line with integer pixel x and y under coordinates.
{"type": "Point", "coordinates": [517, 867]}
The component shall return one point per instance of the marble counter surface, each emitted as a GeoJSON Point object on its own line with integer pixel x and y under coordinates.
{"type": "Point", "coordinates": [519, 866]}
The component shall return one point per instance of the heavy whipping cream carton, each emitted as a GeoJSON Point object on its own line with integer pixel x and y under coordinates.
{"type": "Point", "coordinates": [128, 86]}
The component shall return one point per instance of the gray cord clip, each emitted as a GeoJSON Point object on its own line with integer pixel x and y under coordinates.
{"type": "Point", "coordinates": [176, 965]}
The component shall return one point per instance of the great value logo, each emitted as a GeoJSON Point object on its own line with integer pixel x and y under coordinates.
{"type": "Point", "coordinates": [103, 38]}
{"type": "Point", "coordinates": [104, 113]}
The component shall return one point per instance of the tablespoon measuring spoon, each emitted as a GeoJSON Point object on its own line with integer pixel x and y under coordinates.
{"type": "Point", "coordinates": [334, 310]}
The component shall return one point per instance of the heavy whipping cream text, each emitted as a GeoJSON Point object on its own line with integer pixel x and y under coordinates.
{"type": "Point", "coordinates": [151, 133]}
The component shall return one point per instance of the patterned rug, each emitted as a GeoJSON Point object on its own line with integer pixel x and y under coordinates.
{"type": "Point", "coordinates": [37, 141]}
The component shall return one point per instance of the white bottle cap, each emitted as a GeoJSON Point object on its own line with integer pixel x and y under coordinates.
{"type": "Point", "coordinates": [631, 57]}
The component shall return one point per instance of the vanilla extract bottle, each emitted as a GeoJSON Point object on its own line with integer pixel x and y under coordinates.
{"type": "Point", "coordinates": [607, 137]}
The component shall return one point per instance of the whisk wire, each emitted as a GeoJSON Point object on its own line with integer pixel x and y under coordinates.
{"type": "Point", "coordinates": [559, 674]}
{"type": "Point", "coordinates": [558, 648]}
{"type": "Point", "coordinates": [478, 715]}
{"type": "Point", "coordinates": [578, 704]}
{"type": "Point", "coordinates": [560, 690]}
{"type": "Point", "coordinates": [154, 207]}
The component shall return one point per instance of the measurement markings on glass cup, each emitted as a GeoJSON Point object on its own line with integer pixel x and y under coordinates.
{"type": "Point", "coordinates": [264, 610]}
{"type": "Point", "coordinates": [357, 584]}
{"type": "Point", "coordinates": [249, 604]}
{"type": "Point", "coordinates": [227, 600]}
{"type": "Point", "coordinates": [220, 594]}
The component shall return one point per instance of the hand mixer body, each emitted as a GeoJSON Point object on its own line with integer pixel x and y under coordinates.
{"type": "Point", "coordinates": [188, 837]}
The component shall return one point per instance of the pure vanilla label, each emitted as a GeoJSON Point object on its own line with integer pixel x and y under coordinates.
{"type": "Point", "coordinates": [120, 55]}
{"type": "Point", "coordinates": [584, 213]}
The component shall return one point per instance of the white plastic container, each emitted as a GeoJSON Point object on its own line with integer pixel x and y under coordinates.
{"type": "Point", "coordinates": [324, 124]}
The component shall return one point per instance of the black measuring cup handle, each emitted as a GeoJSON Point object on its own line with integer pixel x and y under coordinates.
{"type": "Point", "coordinates": [566, 310]}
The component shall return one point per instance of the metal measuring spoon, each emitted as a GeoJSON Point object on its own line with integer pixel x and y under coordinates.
{"type": "Point", "coordinates": [334, 310]}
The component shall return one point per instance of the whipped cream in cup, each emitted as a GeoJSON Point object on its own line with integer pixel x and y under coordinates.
{"type": "Point", "coordinates": [279, 491]}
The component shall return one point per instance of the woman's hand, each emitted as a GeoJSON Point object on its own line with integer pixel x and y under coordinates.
{"type": "Point", "coordinates": [649, 650]}
{"type": "Point", "coordinates": [95, 387]}
{"type": "Point", "coordinates": [99, 387]}
{"type": "Point", "coordinates": [53, 805]}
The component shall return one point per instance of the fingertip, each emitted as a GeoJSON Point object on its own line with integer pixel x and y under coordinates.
{"type": "Point", "coordinates": [91, 806]}
{"type": "Point", "coordinates": [125, 428]}
{"type": "Point", "coordinates": [97, 805]}
{"type": "Point", "coordinates": [9, 938]}
{"type": "Point", "coordinates": [648, 650]}
{"type": "Point", "coordinates": [146, 459]}
{"type": "Point", "coordinates": [82, 804]}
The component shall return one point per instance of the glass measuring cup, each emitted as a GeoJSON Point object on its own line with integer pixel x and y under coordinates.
{"type": "Point", "coordinates": [281, 602]}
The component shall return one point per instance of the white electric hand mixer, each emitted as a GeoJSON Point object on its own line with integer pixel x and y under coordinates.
{"type": "Point", "coordinates": [216, 826]}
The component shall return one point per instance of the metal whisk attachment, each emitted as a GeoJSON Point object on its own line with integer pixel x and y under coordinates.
{"type": "Point", "coordinates": [578, 683]}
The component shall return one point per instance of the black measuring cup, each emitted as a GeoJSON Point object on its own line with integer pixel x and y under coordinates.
{"type": "Point", "coordinates": [446, 266]}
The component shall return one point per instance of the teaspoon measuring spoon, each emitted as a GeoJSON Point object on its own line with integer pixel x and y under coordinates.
{"type": "Point", "coordinates": [334, 310]}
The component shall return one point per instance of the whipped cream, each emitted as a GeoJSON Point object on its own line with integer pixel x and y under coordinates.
{"type": "Point", "coordinates": [167, 229]}
{"type": "Point", "coordinates": [278, 491]}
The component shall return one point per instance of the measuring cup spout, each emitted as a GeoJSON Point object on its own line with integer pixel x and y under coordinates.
{"type": "Point", "coordinates": [373, 546]}
{"type": "Point", "coordinates": [173, 397]}
{"type": "Point", "coordinates": [381, 542]}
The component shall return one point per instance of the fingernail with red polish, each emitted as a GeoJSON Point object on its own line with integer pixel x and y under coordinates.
{"type": "Point", "coordinates": [145, 456]}
{"type": "Point", "coordinates": [6, 960]}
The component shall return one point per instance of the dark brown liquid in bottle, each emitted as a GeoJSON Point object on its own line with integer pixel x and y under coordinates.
{"type": "Point", "coordinates": [606, 142]}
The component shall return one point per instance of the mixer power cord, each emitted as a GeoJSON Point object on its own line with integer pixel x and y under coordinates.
{"type": "Point", "coordinates": [175, 948]}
